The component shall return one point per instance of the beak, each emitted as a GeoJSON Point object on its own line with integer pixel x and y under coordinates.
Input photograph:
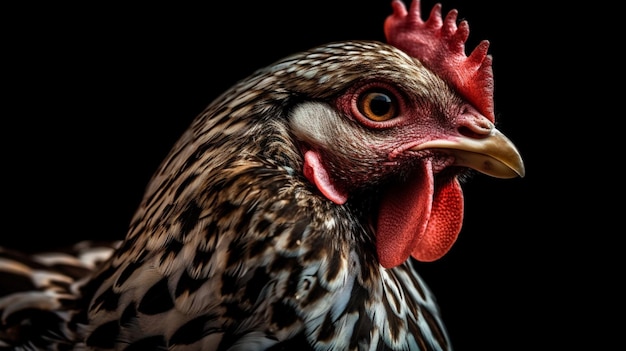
{"type": "Point", "coordinates": [494, 155]}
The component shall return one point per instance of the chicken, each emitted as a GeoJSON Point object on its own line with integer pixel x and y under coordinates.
{"type": "Point", "coordinates": [292, 211]}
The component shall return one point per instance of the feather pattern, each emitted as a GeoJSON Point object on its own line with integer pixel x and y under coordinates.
{"type": "Point", "coordinates": [235, 247]}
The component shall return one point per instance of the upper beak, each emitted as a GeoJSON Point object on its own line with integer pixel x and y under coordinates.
{"type": "Point", "coordinates": [494, 155]}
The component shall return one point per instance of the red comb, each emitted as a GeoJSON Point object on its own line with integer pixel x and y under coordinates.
{"type": "Point", "coordinates": [440, 45]}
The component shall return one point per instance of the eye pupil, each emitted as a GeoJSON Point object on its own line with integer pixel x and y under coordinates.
{"type": "Point", "coordinates": [380, 104]}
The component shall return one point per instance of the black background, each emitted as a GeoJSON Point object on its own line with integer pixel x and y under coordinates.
{"type": "Point", "coordinates": [95, 95]}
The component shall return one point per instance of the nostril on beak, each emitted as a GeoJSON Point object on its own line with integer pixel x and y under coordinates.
{"type": "Point", "coordinates": [476, 128]}
{"type": "Point", "coordinates": [476, 131]}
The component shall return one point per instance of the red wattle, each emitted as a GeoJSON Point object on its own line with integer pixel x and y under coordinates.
{"type": "Point", "coordinates": [419, 219]}
{"type": "Point", "coordinates": [403, 217]}
{"type": "Point", "coordinates": [445, 223]}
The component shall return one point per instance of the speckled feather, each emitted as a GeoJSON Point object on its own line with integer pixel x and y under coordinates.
{"type": "Point", "coordinates": [243, 246]}
{"type": "Point", "coordinates": [233, 247]}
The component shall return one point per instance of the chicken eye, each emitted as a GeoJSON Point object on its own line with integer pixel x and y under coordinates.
{"type": "Point", "coordinates": [378, 105]}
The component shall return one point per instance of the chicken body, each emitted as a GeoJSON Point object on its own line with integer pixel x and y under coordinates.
{"type": "Point", "coordinates": [287, 216]}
